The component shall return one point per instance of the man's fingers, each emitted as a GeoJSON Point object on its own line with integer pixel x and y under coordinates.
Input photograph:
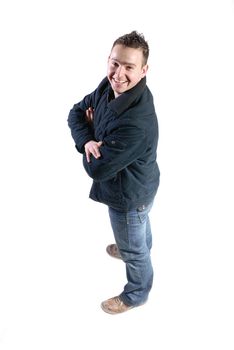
{"type": "Point", "coordinates": [87, 155]}
{"type": "Point", "coordinates": [92, 147]}
{"type": "Point", "coordinates": [95, 152]}
{"type": "Point", "coordinates": [89, 114]}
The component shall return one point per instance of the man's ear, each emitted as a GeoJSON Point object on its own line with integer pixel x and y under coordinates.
{"type": "Point", "coordinates": [144, 70]}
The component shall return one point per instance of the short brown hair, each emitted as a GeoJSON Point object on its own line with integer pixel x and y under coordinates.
{"type": "Point", "coordinates": [134, 40]}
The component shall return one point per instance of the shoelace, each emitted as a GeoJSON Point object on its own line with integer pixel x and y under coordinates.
{"type": "Point", "coordinates": [118, 301]}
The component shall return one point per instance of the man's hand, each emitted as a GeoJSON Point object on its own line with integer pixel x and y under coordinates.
{"type": "Point", "coordinates": [92, 148]}
{"type": "Point", "coordinates": [89, 115]}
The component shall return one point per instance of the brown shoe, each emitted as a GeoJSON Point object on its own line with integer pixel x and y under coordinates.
{"type": "Point", "coordinates": [114, 306]}
{"type": "Point", "coordinates": [113, 251]}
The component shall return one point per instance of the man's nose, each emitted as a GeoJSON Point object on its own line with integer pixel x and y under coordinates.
{"type": "Point", "coordinates": [120, 71]}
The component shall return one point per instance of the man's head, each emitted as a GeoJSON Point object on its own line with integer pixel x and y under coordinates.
{"type": "Point", "coordinates": [127, 63]}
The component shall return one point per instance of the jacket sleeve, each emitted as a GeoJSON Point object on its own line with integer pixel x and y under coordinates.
{"type": "Point", "coordinates": [120, 148]}
{"type": "Point", "coordinates": [81, 130]}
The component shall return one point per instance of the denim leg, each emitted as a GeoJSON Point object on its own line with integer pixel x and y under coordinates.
{"type": "Point", "coordinates": [148, 234]}
{"type": "Point", "coordinates": [133, 236]}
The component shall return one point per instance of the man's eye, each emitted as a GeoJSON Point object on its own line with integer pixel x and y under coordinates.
{"type": "Point", "coordinates": [129, 67]}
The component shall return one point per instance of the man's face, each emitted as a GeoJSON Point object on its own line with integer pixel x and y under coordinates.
{"type": "Point", "coordinates": [125, 68]}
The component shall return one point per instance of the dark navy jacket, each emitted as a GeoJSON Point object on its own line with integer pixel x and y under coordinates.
{"type": "Point", "coordinates": [126, 176]}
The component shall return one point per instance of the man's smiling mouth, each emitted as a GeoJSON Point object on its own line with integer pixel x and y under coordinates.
{"type": "Point", "coordinates": [120, 81]}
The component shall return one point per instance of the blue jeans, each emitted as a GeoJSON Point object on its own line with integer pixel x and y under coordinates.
{"type": "Point", "coordinates": [134, 239]}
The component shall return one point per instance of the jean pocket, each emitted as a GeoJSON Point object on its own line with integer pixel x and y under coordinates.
{"type": "Point", "coordinates": [142, 216]}
{"type": "Point", "coordinates": [143, 212]}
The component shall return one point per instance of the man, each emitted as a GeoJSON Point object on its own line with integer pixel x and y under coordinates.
{"type": "Point", "coordinates": [115, 128]}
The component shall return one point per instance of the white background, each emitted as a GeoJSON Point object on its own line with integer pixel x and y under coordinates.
{"type": "Point", "coordinates": [54, 271]}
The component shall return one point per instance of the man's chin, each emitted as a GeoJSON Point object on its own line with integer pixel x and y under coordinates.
{"type": "Point", "coordinates": [119, 88]}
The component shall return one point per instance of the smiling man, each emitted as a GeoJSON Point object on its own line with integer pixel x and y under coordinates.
{"type": "Point", "coordinates": [115, 128]}
{"type": "Point", "coordinates": [126, 67]}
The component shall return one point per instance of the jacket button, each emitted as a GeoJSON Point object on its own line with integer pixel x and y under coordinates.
{"type": "Point", "coordinates": [113, 142]}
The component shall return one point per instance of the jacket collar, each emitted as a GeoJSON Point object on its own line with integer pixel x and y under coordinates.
{"type": "Point", "coordinates": [121, 103]}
